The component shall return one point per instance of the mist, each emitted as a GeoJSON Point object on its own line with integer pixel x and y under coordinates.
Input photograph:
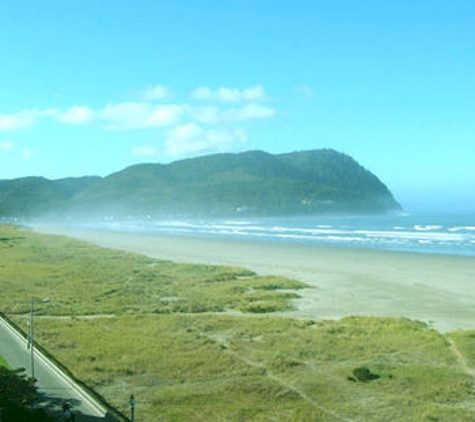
{"type": "Point", "coordinates": [436, 200]}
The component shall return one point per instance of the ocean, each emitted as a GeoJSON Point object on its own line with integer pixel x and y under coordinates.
{"type": "Point", "coordinates": [438, 233]}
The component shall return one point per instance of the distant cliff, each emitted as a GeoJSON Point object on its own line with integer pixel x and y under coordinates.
{"type": "Point", "coordinates": [250, 183]}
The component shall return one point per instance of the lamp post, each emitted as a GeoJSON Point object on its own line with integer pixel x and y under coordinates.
{"type": "Point", "coordinates": [132, 408]}
{"type": "Point", "coordinates": [31, 341]}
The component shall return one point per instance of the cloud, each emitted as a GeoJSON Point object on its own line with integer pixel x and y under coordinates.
{"type": "Point", "coordinates": [191, 138]}
{"type": "Point", "coordinates": [7, 146]}
{"type": "Point", "coordinates": [213, 115]}
{"type": "Point", "coordinates": [209, 115]}
{"type": "Point", "coordinates": [25, 118]}
{"type": "Point", "coordinates": [144, 151]}
{"type": "Point", "coordinates": [229, 95]}
{"type": "Point", "coordinates": [27, 153]}
{"type": "Point", "coordinates": [124, 116]}
{"type": "Point", "coordinates": [212, 125]}
{"type": "Point", "coordinates": [21, 119]}
{"type": "Point", "coordinates": [121, 116]}
{"type": "Point", "coordinates": [157, 92]}
{"type": "Point", "coordinates": [249, 112]}
{"type": "Point", "coordinates": [77, 115]}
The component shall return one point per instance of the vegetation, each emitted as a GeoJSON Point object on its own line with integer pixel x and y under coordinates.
{"type": "Point", "coordinates": [82, 279]}
{"type": "Point", "coordinates": [17, 397]}
{"type": "Point", "coordinates": [3, 363]}
{"type": "Point", "coordinates": [35, 196]}
{"type": "Point", "coordinates": [251, 183]}
{"type": "Point", "coordinates": [114, 320]}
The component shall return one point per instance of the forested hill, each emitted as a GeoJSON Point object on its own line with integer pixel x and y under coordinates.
{"type": "Point", "coordinates": [249, 183]}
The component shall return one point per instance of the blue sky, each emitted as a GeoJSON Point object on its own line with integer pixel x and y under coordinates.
{"type": "Point", "coordinates": [92, 86]}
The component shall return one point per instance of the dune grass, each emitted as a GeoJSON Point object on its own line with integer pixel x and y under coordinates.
{"type": "Point", "coordinates": [84, 279]}
{"type": "Point", "coordinates": [200, 343]}
{"type": "Point", "coordinates": [220, 367]}
{"type": "Point", "coordinates": [465, 343]}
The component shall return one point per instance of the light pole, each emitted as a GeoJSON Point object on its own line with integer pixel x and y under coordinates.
{"type": "Point", "coordinates": [31, 341]}
{"type": "Point", "coordinates": [132, 408]}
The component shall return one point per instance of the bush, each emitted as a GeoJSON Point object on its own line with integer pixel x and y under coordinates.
{"type": "Point", "coordinates": [362, 373]}
{"type": "Point", "coordinates": [17, 396]}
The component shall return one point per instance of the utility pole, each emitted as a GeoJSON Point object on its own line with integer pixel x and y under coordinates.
{"type": "Point", "coordinates": [31, 341]}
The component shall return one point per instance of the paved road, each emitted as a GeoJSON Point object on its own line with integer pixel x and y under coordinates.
{"type": "Point", "coordinates": [54, 387]}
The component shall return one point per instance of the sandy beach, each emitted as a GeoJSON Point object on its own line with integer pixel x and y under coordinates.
{"type": "Point", "coordinates": [436, 289]}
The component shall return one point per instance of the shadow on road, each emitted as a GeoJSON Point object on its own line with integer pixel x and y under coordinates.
{"type": "Point", "coordinates": [54, 407]}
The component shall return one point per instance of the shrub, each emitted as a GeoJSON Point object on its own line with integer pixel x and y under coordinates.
{"type": "Point", "coordinates": [362, 373]}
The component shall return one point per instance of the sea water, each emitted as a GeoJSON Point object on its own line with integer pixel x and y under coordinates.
{"type": "Point", "coordinates": [450, 234]}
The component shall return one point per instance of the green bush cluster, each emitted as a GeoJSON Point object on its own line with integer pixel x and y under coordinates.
{"type": "Point", "coordinates": [17, 397]}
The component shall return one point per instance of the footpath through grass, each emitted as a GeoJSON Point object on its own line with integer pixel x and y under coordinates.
{"type": "Point", "coordinates": [200, 343]}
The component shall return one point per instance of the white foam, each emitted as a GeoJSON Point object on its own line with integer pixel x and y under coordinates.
{"type": "Point", "coordinates": [428, 227]}
{"type": "Point", "coordinates": [454, 237]}
{"type": "Point", "coordinates": [462, 228]}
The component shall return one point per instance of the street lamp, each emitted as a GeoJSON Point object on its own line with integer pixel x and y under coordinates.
{"type": "Point", "coordinates": [31, 341]}
{"type": "Point", "coordinates": [132, 408]}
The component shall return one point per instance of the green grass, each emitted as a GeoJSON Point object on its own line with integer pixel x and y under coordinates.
{"type": "Point", "coordinates": [84, 279]}
{"type": "Point", "coordinates": [465, 343]}
{"type": "Point", "coordinates": [165, 333]}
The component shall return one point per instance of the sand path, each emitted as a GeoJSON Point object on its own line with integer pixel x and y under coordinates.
{"type": "Point", "coordinates": [437, 289]}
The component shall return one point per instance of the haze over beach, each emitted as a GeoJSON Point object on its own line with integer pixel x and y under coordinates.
{"type": "Point", "coordinates": [89, 88]}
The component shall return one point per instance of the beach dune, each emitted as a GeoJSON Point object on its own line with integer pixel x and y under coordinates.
{"type": "Point", "coordinates": [436, 289]}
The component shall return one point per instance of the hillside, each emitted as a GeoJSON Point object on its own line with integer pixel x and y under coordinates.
{"type": "Point", "coordinates": [250, 183]}
{"type": "Point", "coordinates": [36, 196]}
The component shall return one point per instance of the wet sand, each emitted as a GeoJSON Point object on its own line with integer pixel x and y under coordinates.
{"type": "Point", "coordinates": [436, 289]}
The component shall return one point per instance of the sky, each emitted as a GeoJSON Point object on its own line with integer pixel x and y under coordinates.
{"type": "Point", "coordinates": [89, 87]}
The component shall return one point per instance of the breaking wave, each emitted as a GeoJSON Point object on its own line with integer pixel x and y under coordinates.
{"type": "Point", "coordinates": [443, 234]}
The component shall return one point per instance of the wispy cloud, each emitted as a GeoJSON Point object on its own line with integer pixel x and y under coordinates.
{"type": "Point", "coordinates": [157, 92]}
{"type": "Point", "coordinates": [209, 114]}
{"type": "Point", "coordinates": [249, 112]}
{"type": "Point", "coordinates": [192, 138]}
{"type": "Point", "coordinates": [229, 95]}
{"type": "Point", "coordinates": [7, 146]}
{"type": "Point", "coordinates": [21, 119]}
{"type": "Point", "coordinates": [147, 114]}
{"type": "Point", "coordinates": [77, 115]}
{"type": "Point", "coordinates": [11, 148]}
{"type": "Point", "coordinates": [124, 116]}
{"type": "Point", "coordinates": [213, 115]}
{"type": "Point", "coordinates": [27, 153]}
{"type": "Point", "coordinates": [184, 128]}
